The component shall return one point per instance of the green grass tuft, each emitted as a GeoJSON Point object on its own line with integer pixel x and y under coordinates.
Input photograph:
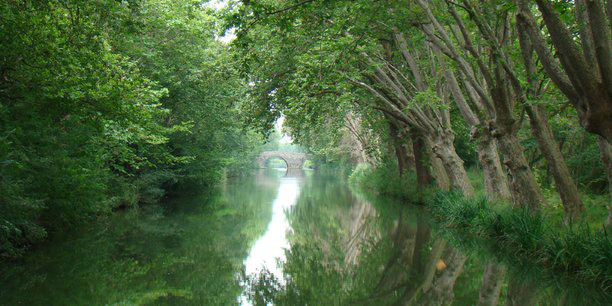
{"type": "Point", "coordinates": [524, 238]}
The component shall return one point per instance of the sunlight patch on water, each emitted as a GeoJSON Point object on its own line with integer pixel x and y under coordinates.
{"type": "Point", "coordinates": [270, 248]}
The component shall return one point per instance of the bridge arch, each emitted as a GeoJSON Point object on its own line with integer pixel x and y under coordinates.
{"type": "Point", "coordinates": [268, 161]}
{"type": "Point", "coordinates": [294, 160]}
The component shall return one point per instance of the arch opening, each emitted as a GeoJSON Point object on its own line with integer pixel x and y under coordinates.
{"type": "Point", "coordinates": [292, 160]}
{"type": "Point", "coordinates": [276, 162]}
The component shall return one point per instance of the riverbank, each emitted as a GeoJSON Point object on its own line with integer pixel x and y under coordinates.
{"type": "Point", "coordinates": [185, 250]}
{"type": "Point", "coordinates": [580, 253]}
{"type": "Point", "coordinates": [516, 236]}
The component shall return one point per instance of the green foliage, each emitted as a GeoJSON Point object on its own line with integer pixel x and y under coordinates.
{"type": "Point", "coordinates": [524, 238]}
{"type": "Point", "coordinates": [155, 254]}
{"type": "Point", "coordinates": [464, 144]}
{"type": "Point", "coordinates": [105, 104]}
{"type": "Point", "coordinates": [584, 160]}
{"type": "Point", "coordinates": [385, 180]}
{"type": "Point", "coordinates": [428, 98]}
{"type": "Point", "coordinates": [74, 113]}
{"type": "Point", "coordinates": [316, 269]}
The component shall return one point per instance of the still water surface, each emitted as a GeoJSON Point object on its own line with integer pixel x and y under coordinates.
{"type": "Point", "coordinates": [277, 237]}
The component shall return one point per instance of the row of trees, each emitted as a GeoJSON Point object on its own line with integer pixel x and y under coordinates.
{"type": "Point", "coordinates": [513, 87]}
{"type": "Point", "coordinates": [514, 76]}
{"type": "Point", "coordinates": [104, 104]}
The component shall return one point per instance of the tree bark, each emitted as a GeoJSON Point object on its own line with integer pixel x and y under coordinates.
{"type": "Point", "coordinates": [564, 183]}
{"type": "Point", "coordinates": [589, 90]}
{"type": "Point", "coordinates": [424, 177]}
{"type": "Point", "coordinates": [605, 150]}
{"type": "Point", "coordinates": [495, 182]}
{"type": "Point", "coordinates": [400, 150]}
{"type": "Point", "coordinates": [439, 172]}
{"type": "Point", "coordinates": [523, 186]}
{"type": "Point", "coordinates": [357, 140]}
{"type": "Point", "coordinates": [443, 148]}
{"type": "Point", "coordinates": [407, 145]}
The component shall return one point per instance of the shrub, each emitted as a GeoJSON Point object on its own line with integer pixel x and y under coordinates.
{"type": "Point", "coordinates": [385, 180]}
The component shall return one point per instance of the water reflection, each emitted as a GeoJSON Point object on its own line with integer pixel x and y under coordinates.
{"type": "Point", "coordinates": [351, 248]}
{"type": "Point", "coordinates": [268, 252]}
{"type": "Point", "coordinates": [337, 245]}
{"type": "Point", "coordinates": [270, 247]}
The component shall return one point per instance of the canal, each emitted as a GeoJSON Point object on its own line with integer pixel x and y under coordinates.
{"type": "Point", "coordinates": [276, 237]}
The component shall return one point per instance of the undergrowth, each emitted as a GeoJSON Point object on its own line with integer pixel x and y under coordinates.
{"type": "Point", "coordinates": [579, 252]}
{"type": "Point", "coordinates": [386, 181]}
{"type": "Point", "coordinates": [582, 252]}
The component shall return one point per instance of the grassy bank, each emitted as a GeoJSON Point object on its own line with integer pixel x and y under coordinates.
{"type": "Point", "coordinates": [582, 252]}
{"type": "Point", "coordinates": [521, 238]}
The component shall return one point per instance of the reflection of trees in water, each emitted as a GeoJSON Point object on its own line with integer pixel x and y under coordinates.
{"type": "Point", "coordinates": [416, 271]}
{"type": "Point", "coordinates": [492, 282]}
{"type": "Point", "coordinates": [344, 252]}
{"type": "Point", "coordinates": [186, 251]}
{"type": "Point", "coordinates": [441, 290]}
{"type": "Point", "coordinates": [521, 292]}
{"type": "Point", "coordinates": [347, 251]}
{"type": "Point", "coordinates": [358, 231]}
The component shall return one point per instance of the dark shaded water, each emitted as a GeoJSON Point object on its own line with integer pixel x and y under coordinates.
{"type": "Point", "coordinates": [282, 238]}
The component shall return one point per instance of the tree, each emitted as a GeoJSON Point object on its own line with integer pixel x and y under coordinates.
{"type": "Point", "coordinates": [583, 71]}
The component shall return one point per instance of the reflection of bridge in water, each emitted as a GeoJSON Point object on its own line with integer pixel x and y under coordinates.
{"type": "Point", "coordinates": [294, 160]}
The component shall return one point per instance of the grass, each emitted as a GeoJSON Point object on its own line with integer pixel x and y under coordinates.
{"type": "Point", "coordinates": [518, 236]}
{"type": "Point", "coordinates": [596, 205]}
{"type": "Point", "coordinates": [581, 253]}
{"type": "Point", "coordinates": [385, 181]}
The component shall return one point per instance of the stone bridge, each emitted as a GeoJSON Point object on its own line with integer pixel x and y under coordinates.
{"type": "Point", "coordinates": [294, 160]}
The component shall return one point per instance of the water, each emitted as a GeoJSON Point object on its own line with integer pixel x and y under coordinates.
{"type": "Point", "coordinates": [279, 238]}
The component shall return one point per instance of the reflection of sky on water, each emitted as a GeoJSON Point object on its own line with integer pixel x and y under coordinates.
{"type": "Point", "coordinates": [271, 246]}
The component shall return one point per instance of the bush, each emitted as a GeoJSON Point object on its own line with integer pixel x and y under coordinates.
{"type": "Point", "coordinates": [385, 180]}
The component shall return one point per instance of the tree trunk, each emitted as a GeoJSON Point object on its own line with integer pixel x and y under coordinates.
{"type": "Point", "coordinates": [356, 140]}
{"type": "Point", "coordinates": [605, 149]}
{"type": "Point", "coordinates": [400, 151]}
{"type": "Point", "coordinates": [499, 101]}
{"type": "Point", "coordinates": [491, 284]}
{"type": "Point", "coordinates": [424, 177]}
{"type": "Point", "coordinates": [443, 147]}
{"type": "Point", "coordinates": [523, 186]}
{"type": "Point", "coordinates": [541, 130]}
{"type": "Point", "coordinates": [495, 182]}
{"type": "Point", "coordinates": [572, 204]}
{"type": "Point", "coordinates": [593, 88]}
{"type": "Point", "coordinates": [439, 172]}
{"type": "Point", "coordinates": [496, 187]}
{"type": "Point", "coordinates": [409, 153]}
